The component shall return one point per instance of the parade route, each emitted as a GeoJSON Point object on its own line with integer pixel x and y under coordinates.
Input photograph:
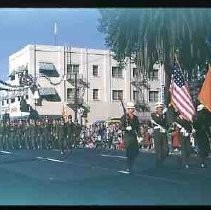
{"type": "Point", "coordinates": [96, 177]}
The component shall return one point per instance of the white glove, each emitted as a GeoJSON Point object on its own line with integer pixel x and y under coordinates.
{"type": "Point", "coordinates": [162, 130]}
{"type": "Point", "coordinates": [128, 128]}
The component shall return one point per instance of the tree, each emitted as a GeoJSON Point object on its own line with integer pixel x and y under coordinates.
{"type": "Point", "coordinates": [147, 35]}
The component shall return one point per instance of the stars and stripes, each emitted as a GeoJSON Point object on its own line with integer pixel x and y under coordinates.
{"type": "Point", "coordinates": [180, 95]}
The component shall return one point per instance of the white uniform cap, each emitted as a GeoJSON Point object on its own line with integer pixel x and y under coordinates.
{"type": "Point", "coordinates": [200, 107]}
{"type": "Point", "coordinates": [130, 105]}
{"type": "Point", "coordinates": [159, 104]}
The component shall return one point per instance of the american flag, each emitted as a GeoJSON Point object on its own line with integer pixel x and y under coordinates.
{"type": "Point", "coordinates": [180, 95]}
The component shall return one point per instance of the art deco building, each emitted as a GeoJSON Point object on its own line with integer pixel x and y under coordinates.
{"type": "Point", "coordinates": [56, 72]}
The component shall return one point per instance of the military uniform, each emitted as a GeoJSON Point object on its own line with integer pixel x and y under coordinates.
{"type": "Point", "coordinates": [202, 133]}
{"type": "Point", "coordinates": [61, 135]}
{"type": "Point", "coordinates": [69, 131]}
{"type": "Point", "coordinates": [160, 125]}
{"type": "Point", "coordinates": [130, 126]}
{"type": "Point", "coordinates": [1, 135]}
{"type": "Point", "coordinates": [185, 131]}
{"type": "Point", "coordinates": [76, 134]}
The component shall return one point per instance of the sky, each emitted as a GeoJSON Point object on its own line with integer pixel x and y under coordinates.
{"type": "Point", "coordinates": [76, 27]}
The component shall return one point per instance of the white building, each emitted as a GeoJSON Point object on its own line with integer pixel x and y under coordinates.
{"type": "Point", "coordinates": [99, 79]}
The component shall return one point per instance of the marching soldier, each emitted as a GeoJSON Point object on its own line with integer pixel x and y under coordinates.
{"type": "Point", "coordinates": [38, 128]}
{"type": "Point", "coordinates": [69, 130]}
{"type": "Point", "coordinates": [202, 133]}
{"type": "Point", "coordinates": [20, 132]}
{"type": "Point", "coordinates": [32, 134]}
{"type": "Point", "coordinates": [185, 127]}
{"type": "Point", "coordinates": [130, 126]}
{"type": "Point", "coordinates": [6, 135]}
{"type": "Point", "coordinates": [46, 133]}
{"type": "Point", "coordinates": [27, 136]}
{"type": "Point", "coordinates": [159, 123]}
{"type": "Point", "coordinates": [1, 134]}
{"type": "Point", "coordinates": [12, 135]}
{"type": "Point", "coordinates": [54, 133]}
{"type": "Point", "coordinates": [61, 135]}
{"type": "Point", "coordinates": [76, 133]}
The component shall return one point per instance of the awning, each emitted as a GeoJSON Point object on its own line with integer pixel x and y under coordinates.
{"type": "Point", "coordinates": [46, 66]}
{"type": "Point", "coordinates": [47, 91]}
{"type": "Point", "coordinates": [48, 69]}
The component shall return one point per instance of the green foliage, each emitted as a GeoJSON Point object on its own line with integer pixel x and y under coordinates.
{"type": "Point", "coordinates": [150, 34]}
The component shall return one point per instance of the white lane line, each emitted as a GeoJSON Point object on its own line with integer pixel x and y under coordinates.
{"type": "Point", "coordinates": [56, 150]}
{"type": "Point", "coordinates": [50, 159]}
{"type": "Point", "coordinates": [124, 172]}
{"type": "Point", "coordinates": [117, 156]}
{"type": "Point", "coordinates": [55, 160]}
{"type": "Point", "coordinates": [6, 152]}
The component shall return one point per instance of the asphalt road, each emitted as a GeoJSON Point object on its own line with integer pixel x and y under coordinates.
{"type": "Point", "coordinates": [94, 177]}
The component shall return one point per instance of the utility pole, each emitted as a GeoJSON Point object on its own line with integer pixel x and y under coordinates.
{"type": "Point", "coordinates": [76, 96]}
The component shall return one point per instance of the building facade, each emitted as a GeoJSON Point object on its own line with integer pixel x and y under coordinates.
{"type": "Point", "coordinates": [71, 80]}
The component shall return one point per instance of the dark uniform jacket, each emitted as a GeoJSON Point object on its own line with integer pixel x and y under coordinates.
{"type": "Point", "coordinates": [159, 119]}
{"type": "Point", "coordinates": [130, 137]}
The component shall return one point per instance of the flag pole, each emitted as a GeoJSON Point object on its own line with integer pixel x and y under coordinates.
{"type": "Point", "coordinates": [55, 34]}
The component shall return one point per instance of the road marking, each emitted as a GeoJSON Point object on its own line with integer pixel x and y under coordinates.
{"type": "Point", "coordinates": [118, 156]}
{"type": "Point", "coordinates": [124, 172]}
{"type": "Point", "coordinates": [56, 150]}
{"type": "Point", "coordinates": [6, 152]}
{"type": "Point", "coordinates": [50, 159]}
{"type": "Point", "coordinates": [55, 160]}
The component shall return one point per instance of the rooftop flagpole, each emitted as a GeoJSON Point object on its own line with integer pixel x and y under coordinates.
{"type": "Point", "coordinates": [55, 30]}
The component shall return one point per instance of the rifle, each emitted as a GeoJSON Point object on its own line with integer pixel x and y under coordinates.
{"type": "Point", "coordinates": [124, 110]}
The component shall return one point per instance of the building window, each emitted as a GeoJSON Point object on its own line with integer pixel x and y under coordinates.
{"type": "Point", "coordinates": [95, 94]}
{"type": "Point", "coordinates": [135, 95]}
{"type": "Point", "coordinates": [153, 75]}
{"type": "Point", "coordinates": [135, 72]}
{"type": "Point", "coordinates": [70, 93]}
{"type": "Point", "coordinates": [117, 94]}
{"type": "Point", "coordinates": [153, 96]}
{"type": "Point", "coordinates": [116, 72]}
{"type": "Point", "coordinates": [7, 101]}
{"type": "Point", "coordinates": [2, 103]}
{"type": "Point", "coordinates": [72, 69]}
{"type": "Point", "coordinates": [12, 100]}
{"type": "Point", "coordinates": [95, 71]}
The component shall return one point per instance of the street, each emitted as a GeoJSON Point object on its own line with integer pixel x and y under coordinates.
{"type": "Point", "coordinates": [94, 177]}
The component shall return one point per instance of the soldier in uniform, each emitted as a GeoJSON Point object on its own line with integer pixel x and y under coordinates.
{"type": "Point", "coordinates": [6, 135]}
{"type": "Point", "coordinates": [185, 127]}
{"type": "Point", "coordinates": [202, 133]}
{"type": "Point", "coordinates": [130, 126]}
{"type": "Point", "coordinates": [20, 132]}
{"type": "Point", "coordinates": [54, 134]}
{"type": "Point", "coordinates": [46, 133]}
{"type": "Point", "coordinates": [38, 128]}
{"type": "Point", "coordinates": [12, 135]}
{"type": "Point", "coordinates": [32, 134]}
{"type": "Point", "coordinates": [61, 136]}
{"type": "Point", "coordinates": [69, 130]}
{"type": "Point", "coordinates": [1, 134]}
{"type": "Point", "coordinates": [76, 133]}
{"type": "Point", "coordinates": [159, 123]}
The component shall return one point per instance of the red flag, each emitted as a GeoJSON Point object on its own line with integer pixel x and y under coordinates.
{"type": "Point", "coordinates": [205, 92]}
{"type": "Point", "coordinates": [180, 95]}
